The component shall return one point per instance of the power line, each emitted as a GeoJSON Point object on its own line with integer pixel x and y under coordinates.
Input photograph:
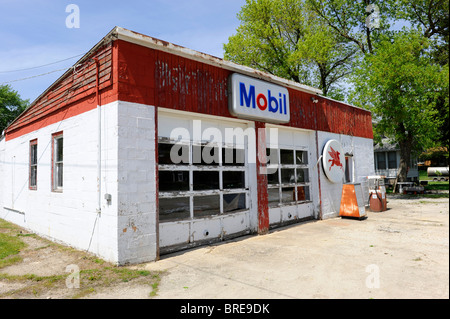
{"type": "Point", "coordinates": [34, 76]}
{"type": "Point", "coordinates": [40, 66]}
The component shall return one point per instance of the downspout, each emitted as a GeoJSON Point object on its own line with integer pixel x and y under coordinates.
{"type": "Point", "coordinates": [318, 176]}
{"type": "Point", "coordinates": [99, 136]}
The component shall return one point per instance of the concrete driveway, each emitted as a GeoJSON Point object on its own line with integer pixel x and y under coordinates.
{"type": "Point", "coordinates": [401, 253]}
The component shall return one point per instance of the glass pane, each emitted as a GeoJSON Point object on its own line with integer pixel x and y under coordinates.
{"type": "Point", "coordinates": [288, 175]}
{"type": "Point", "coordinates": [392, 160]}
{"type": "Point", "coordinates": [206, 180]}
{"type": "Point", "coordinates": [274, 197]}
{"type": "Point", "coordinates": [272, 156]}
{"type": "Point", "coordinates": [233, 202]}
{"type": "Point", "coordinates": [233, 157]}
{"type": "Point", "coordinates": [233, 180]}
{"type": "Point", "coordinates": [288, 195]}
{"type": "Point", "coordinates": [301, 157]}
{"type": "Point", "coordinates": [287, 157]}
{"type": "Point", "coordinates": [381, 160]}
{"type": "Point", "coordinates": [347, 169]}
{"type": "Point", "coordinates": [33, 176]}
{"type": "Point", "coordinates": [174, 208]}
{"type": "Point", "coordinates": [173, 154]}
{"type": "Point", "coordinates": [59, 175]}
{"type": "Point", "coordinates": [303, 193]}
{"type": "Point", "coordinates": [206, 205]}
{"type": "Point", "coordinates": [59, 149]}
{"type": "Point", "coordinates": [302, 175]}
{"type": "Point", "coordinates": [205, 155]}
{"type": "Point", "coordinates": [173, 181]}
{"type": "Point", "coordinates": [33, 155]}
{"type": "Point", "coordinates": [273, 178]}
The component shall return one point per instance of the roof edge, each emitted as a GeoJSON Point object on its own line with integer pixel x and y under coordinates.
{"type": "Point", "coordinates": [153, 43]}
{"type": "Point", "coordinates": [110, 36]}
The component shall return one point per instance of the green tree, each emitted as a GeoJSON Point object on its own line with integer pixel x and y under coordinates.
{"type": "Point", "coordinates": [11, 106]}
{"type": "Point", "coordinates": [401, 87]}
{"type": "Point", "coordinates": [360, 22]}
{"type": "Point", "coordinates": [431, 18]}
{"type": "Point", "coordinates": [286, 38]}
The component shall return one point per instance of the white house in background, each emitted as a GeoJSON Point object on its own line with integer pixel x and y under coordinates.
{"type": "Point", "coordinates": [387, 162]}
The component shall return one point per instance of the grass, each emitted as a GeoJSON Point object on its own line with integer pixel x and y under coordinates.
{"type": "Point", "coordinates": [443, 186]}
{"type": "Point", "coordinates": [10, 245]}
{"type": "Point", "coordinates": [431, 186]}
{"type": "Point", "coordinates": [95, 273]}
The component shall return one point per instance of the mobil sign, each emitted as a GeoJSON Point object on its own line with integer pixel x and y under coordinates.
{"type": "Point", "coordinates": [258, 100]}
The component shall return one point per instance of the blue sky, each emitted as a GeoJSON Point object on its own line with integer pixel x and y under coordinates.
{"type": "Point", "coordinates": [34, 33]}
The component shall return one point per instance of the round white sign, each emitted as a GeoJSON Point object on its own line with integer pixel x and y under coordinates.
{"type": "Point", "coordinates": [333, 159]}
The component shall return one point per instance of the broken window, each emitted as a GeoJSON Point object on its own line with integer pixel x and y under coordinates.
{"type": "Point", "coordinates": [272, 156]}
{"type": "Point", "coordinates": [205, 155]}
{"type": "Point", "coordinates": [303, 193]}
{"type": "Point", "coordinates": [234, 202]}
{"type": "Point", "coordinates": [173, 154]}
{"type": "Point", "coordinates": [273, 178]}
{"type": "Point", "coordinates": [173, 181]}
{"type": "Point", "coordinates": [288, 195]}
{"type": "Point", "coordinates": [287, 176]}
{"type": "Point", "coordinates": [289, 183]}
{"type": "Point", "coordinates": [302, 175]}
{"type": "Point", "coordinates": [274, 197]}
{"type": "Point", "coordinates": [174, 208]}
{"type": "Point", "coordinates": [287, 157]}
{"type": "Point", "coordinates": [233, 157]}
{"type": "Point", "coordinates": [233, 179]}
{"type": "Point", "coordinates": [205, 184]}
{"type": "Point", "coordinates": [206, 205]}
{"type": "Point", "coordinates": [206, 180]}
{"type": "Point", "coordinates": [301, 157]}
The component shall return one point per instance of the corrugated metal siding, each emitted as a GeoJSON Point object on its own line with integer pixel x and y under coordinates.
{"type": "Point", "coordinates": [187, 85]}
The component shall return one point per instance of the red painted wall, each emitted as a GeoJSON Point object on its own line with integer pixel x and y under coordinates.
{"type": "Point", "coordinates": [165, 80]}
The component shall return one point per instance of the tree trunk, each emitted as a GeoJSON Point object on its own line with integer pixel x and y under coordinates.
{"type": "Point", "coordinates": [405, 160]}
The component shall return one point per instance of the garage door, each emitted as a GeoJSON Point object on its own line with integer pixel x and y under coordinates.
{"type": "Point", "coordinates": [203, 181]}
{"type": "Point", "coordinates": [290, 182]}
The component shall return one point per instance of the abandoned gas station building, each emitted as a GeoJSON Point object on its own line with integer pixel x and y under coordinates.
{"type": "Point", "coordinates": [144, 148]}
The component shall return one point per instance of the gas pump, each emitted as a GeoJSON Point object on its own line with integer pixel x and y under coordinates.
{"type": "Point", "coordinates": [377, 193]}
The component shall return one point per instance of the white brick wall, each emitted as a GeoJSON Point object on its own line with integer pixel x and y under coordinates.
{"type": "Point", "coordinates": [70, 216]}
{"type": "Point", "coordinates": [136, 183]}
{"type": "Point", "coordinates": [125, 231]}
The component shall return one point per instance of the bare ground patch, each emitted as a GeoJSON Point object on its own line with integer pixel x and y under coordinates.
{"type": "Point", "coordinates": [44, 269]}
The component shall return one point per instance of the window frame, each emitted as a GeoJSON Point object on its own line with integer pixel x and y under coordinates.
{"type": "Point", "coordinates": [381, 161]}
{"type": "Point", "coordinates": [55, 185]}
{"type": "Point", "coordinates": [193, 168]}
{"type": "Point", "coordinates": [296, 184]}
{"type": "Point", "coordinates": [392, 159]}
{"type": "Point", "coordinates": [33, 166]}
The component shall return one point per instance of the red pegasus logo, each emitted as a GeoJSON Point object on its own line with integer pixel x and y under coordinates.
{"type": "Point", "coordinates": [335, 159]}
